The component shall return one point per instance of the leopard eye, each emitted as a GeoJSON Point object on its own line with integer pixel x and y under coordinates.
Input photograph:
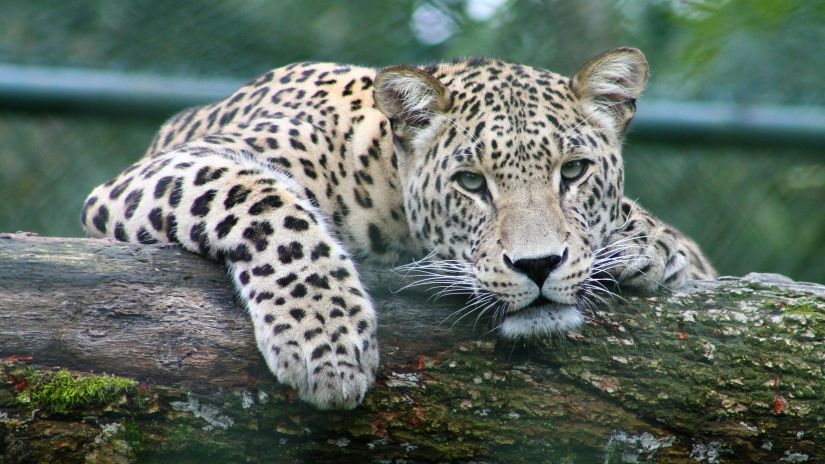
{"type": "Point", "coordinates": [470, 181]}
{"type": "Point", "coordinates": [572, 170]}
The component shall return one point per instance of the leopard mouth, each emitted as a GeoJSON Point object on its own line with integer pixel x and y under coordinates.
{"type": "Point", "coordinates": [541, 317]}
{"type": "Point", "coordinates": [541, 300]}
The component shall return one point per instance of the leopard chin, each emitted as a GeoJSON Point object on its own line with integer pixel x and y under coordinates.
{"type": "Point", "coordinates": [540, 321]}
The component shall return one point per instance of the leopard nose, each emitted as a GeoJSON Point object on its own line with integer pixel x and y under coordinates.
{"type": "Point", "coordinates": [537, 269]}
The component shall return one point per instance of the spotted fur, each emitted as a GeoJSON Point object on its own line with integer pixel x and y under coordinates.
{"type": "Point", "coordinates": [311, 164]}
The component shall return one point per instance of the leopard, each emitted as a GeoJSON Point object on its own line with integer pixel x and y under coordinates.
{"type": "Point", "coordinates": [499, 180]}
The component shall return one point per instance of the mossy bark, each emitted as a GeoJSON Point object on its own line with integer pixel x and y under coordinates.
{"type": "Point", "coordinates": [724, 371]}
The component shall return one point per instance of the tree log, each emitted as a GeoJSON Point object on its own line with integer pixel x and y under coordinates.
{"type": "Point", "coordinates": [723, 371]}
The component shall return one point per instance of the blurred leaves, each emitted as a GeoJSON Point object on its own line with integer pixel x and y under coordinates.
{"type": "Point", "coordinates": [758, 50]}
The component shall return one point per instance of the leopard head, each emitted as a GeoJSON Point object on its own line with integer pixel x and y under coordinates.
{"type": "Point", "coordinates": [512, 179]}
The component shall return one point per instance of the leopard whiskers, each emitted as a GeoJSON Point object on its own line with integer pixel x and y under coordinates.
{"type": "Point", "coordinates": [480, 303]}
{"type": "Point", "coordinates": [599, 285]}
{"type": "Point", "coordinates": [612, 257]}
{"type": "Point", "coordinates": [596, 289]}
{"type": "Point", "coordinates": [444, 278]}
{"type": "Point", "coordinates": [492, 303]}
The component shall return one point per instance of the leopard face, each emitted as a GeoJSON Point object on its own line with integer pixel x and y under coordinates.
{"type": "Point", "coordinates": [513, 177]}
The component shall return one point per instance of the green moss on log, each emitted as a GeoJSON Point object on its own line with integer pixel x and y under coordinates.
{"type": "Point", "coordinates": [62, 391]}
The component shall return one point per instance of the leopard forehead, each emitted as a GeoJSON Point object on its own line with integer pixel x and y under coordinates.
{"type": "Point", "coordinates": [515, 122]}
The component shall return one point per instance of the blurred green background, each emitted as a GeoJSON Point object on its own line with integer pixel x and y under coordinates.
{"type": "Point", "coordinates": [753, 205]}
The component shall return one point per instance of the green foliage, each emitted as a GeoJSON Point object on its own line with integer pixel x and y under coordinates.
{"type": "Point", "coordinates": [753, 50]}
{"type": "Point", "coordinates": [62, 391]}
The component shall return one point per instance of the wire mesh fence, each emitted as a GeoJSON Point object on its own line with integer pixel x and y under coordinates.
{"type": "Point", "coordinates": [753, 207]}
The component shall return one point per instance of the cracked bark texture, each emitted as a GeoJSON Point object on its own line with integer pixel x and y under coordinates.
{"type": "Point", "coordinates": [723, 371]}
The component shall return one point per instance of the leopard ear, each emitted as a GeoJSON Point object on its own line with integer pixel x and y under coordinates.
{"type": "Point", "coordinates": [609, 84]}
{"type": "Point", "coordinates": [410, 96]}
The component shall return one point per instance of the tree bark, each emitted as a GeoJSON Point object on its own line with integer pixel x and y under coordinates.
{"type": "Point", "coordinates": [722, 371]}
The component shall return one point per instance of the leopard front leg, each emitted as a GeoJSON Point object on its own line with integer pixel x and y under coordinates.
{"type": "Point", "coordinates": [647, 254]}
{"type": "Point", "coordinates": [313, 321]}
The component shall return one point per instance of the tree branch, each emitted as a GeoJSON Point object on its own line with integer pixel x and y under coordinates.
{"type": "Point", "coordinates": [731, 368]}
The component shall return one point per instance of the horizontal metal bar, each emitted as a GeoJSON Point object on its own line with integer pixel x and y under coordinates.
{"type": "Point", "coordinates": [141, 95]}
{"type": "Point", "coordinates": [105, 92]}
{"type": "Point", "coordinates": [717, 121]}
